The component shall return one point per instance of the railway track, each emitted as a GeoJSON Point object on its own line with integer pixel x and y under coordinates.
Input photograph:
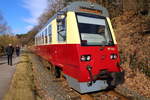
{"type": "Point", "coordinates": [104, 95]}
{"type": "Point", "coordinates": [50, 88]}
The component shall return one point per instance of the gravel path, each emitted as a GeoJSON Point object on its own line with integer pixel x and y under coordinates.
{"type": "Point", "coordinates": [6, 73]}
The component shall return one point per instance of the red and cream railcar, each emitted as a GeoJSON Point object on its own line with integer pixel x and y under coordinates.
{"type": "Point", "coordinates": [79, 41]}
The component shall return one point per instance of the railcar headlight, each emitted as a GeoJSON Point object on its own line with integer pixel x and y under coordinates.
{"type": "Point", "coordinates": [85, 58]}
{"type": "Point", "coordinates": [113, 56]}
{"type": "Point", "coordinates": [88, 58]}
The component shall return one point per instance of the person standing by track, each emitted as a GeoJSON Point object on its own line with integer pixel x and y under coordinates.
{"type": "Point", "coordinates": [17, 50]}
{"type": "Point", "coordinates": [9, 52]}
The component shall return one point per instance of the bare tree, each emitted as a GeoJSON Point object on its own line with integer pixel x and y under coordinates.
{"type": "Point", "coordinates": [4, 28]}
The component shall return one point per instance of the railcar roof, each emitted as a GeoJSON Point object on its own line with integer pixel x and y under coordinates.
{"type": "Point", "coordinates": [75, 6]}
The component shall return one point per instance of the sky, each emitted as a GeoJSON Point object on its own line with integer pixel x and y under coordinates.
{"type": "Point", "coordinates": [22, 15]}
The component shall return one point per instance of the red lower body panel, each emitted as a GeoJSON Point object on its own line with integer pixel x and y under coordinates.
{"type": "Point", "coordinates": [67, 56]}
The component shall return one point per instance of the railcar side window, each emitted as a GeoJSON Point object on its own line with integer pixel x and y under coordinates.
{"type": "Point", "coordinates": [43, 38]}
{"type": "Point", "coordinates": [46, 40]}
{"type": "Point", "coordinates": [39, 38]}
{"type": "Point", "coordinates": [36, 40]}
{"type": "Point", "coordinates": [94, 30]}
{"type": "Point", "coordinates": [61, 29]}
{"type": "Point", "coordinates": [50, 33]}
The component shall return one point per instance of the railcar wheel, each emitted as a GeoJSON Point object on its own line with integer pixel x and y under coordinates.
{"type": "Point", "coordinates": [110, 88]}
{"type": "Point", "coordinates": [57, 72]}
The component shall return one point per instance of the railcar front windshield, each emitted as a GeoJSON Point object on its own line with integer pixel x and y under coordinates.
{"type": "Point", "coordinates": [94, 30]}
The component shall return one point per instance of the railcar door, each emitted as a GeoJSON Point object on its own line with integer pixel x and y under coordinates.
{"type": "Point", "coordinates": [61, 38]}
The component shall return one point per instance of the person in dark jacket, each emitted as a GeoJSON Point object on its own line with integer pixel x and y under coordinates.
{"type": "Point", "coordinates": [9, 52]}
{"type": "Point", "coordinates": [17, 50]}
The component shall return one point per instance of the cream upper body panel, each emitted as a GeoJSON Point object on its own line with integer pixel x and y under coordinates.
{"type": "Point", "coordinates": [54, 32]}
{"type": "Point", "coordinates": [73, 36]}
{"type": "Point", "coordinates": [111, 29]}
{"type": "Point", "coordinates": [72, 31]}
